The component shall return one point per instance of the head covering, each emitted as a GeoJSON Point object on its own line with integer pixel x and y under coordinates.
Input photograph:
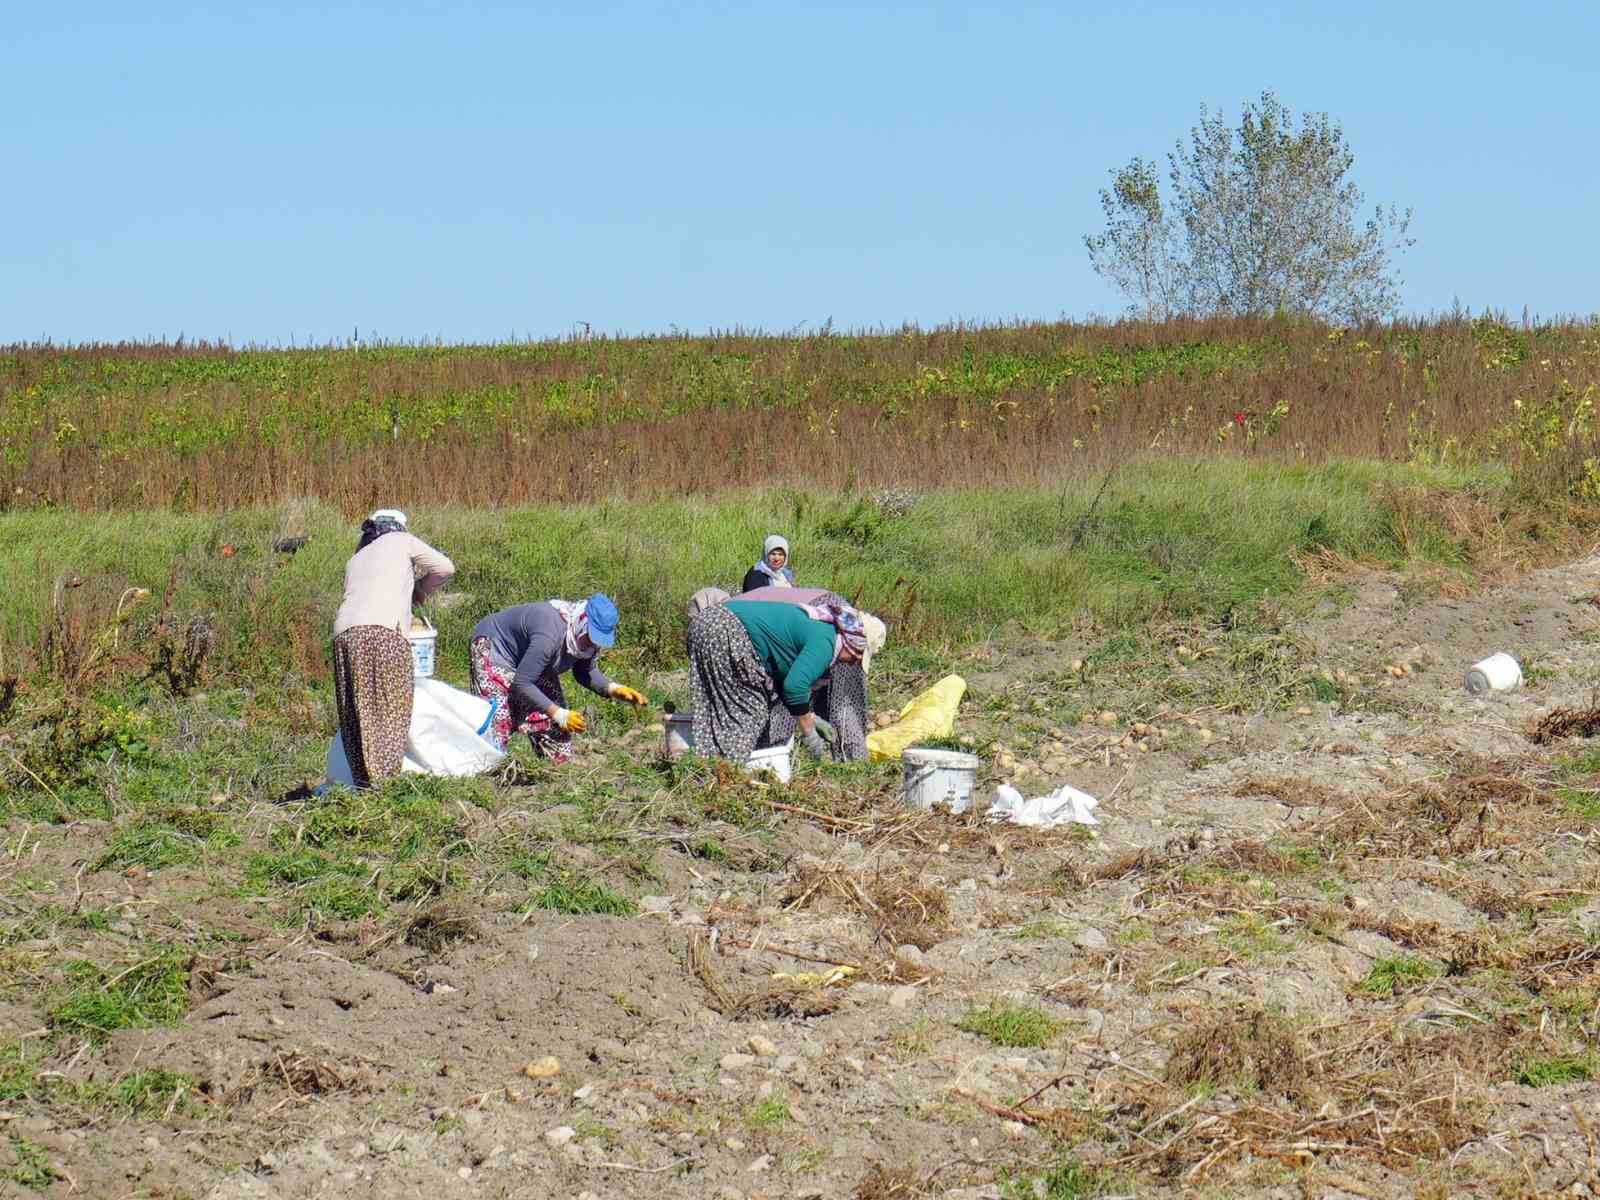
{"type": "Point", "coordinates": [603, 617]}
{"type": "Point", "coordinates": [781, 576]}
{"type": "Point", "coordinates": [849, 628]}
{"type": "Point", "coordinates": [384, 520]}
{"type": "Point", "coordinates": [877, 635]}
{"type": "Point", "coordinates": [594, 618]}
{"type": "Point", "coordinates": [706, 597]}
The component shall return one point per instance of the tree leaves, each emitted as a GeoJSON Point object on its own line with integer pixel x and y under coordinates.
{"type": "Point", "coordinates": [1262, 219]}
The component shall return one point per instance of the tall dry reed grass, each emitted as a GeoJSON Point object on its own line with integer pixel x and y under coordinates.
{"type": "Point", "coordinates": [205, 427]}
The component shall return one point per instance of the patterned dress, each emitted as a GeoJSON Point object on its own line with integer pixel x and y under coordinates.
{"type": "Point", "coordinates": [736, 707]}
{"type": "Point", "coordinates": [492, 678]}
{"type": "Point", "coordinates": [372, 690]}
{"type": "Point", "coordinates": [842, 700]}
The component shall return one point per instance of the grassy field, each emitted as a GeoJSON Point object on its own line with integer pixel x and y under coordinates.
{"type": "Point", "coordinates": [945, 568]}
{"type": "Point", "coordinates": [198, 427]}
{"type": "Point", "coordinates": [1240, 629]}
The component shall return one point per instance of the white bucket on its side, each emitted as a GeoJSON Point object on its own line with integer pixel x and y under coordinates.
{"type": "Point", "coordinates": [1497, 673]}
{"type": "Point", "coordinates": [939, 777]}
{"type": "Point", "coordinates": [776, 759]}
{"type": "Point", "coordinates": [423, 642]}
{"type": "Point", "coordinates": [679, 734]}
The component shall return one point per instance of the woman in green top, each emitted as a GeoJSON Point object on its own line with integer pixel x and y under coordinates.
{"type": "Point", "coordinates": [752, 667]}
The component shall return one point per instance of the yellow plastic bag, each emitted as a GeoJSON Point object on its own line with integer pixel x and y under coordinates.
{"type": "Point", "coordinates": [930, 715]}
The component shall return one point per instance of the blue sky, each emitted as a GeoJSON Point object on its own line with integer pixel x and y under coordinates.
{"type": "Point", "coordinates": [268, 173]}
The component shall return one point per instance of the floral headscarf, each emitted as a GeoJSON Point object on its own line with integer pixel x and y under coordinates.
{"type": "Point", "coordinates": [847, 624]}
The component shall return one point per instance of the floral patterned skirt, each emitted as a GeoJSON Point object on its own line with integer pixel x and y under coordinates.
{"type": "Point", "coordinates": [491, 679]}
{"type": "Point", "coordinates": [372, 690]}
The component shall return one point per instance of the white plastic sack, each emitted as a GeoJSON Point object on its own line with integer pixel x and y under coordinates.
{"type": "Point", "coordinates": [447, 731]}
{"type": "Point", "coordinates": [446, 735]}
{"type": "Point", "coordinates": [1064, 806]}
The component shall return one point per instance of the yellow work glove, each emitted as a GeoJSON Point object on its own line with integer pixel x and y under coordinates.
{"type": "Point", "coordinates": [568, 720]}
{"type": "Point", "coordinates": [628, 695]}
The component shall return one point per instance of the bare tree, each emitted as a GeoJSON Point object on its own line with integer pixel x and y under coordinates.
{"type": "Point", "coordinates": [1262, 219]}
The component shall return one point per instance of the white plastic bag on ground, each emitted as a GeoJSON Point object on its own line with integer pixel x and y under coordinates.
{"type": "Point", "coordinates": [447, 731]}
{"type": "Point", "coordinates": [446, 735]}
{"type": "Point", "coordinates": [1064, 806]}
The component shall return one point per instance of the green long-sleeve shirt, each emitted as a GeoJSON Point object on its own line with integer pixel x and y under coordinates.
{"type": "Point", "coordinates": [795, 650]}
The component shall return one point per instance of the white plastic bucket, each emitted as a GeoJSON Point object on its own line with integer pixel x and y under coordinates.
{"type": "Point", "coordinates": [939, 777]}
{"type": "Point", "coordinates": [1497, 673]}
{"type": "Point", "coordinates": [776, 759]}
{"type": "Point", "coordinates": [679, 734]}
{"type": "Point", "coordinates": [423, 642]}
{"type": "Point", "coordinates": [679, 739]}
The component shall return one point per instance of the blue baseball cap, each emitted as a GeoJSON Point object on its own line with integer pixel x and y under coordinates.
{"type": "Point", "coordinates": [602, 614]}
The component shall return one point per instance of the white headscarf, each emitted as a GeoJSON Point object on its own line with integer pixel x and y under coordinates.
{"type": "Point", "coordinates": [576, 615]}
{"type": "Point", "coordinates": [877, 635]}
{"type": "Point", "coordinates": [781, 576]}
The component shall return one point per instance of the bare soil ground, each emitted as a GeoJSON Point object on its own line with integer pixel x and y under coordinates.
{"type": "Point", "coordinates": [1337, 935]}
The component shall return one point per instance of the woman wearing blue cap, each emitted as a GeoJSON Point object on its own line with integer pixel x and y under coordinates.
{"type": "Point", "coordinates": [518, 656]}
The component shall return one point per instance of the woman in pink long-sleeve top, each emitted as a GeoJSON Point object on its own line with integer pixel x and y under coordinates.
{"type": "Point", "coordinates": [372, 680]}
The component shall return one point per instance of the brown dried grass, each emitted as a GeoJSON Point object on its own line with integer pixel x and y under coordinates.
{"type": "Point", "coordinates": [1368, 1089]}
{"type": "Point", "coordinates": [978, 406]}
{"type": "Point", "coordinates": [1560, 723]}
{"type": "Point", "coordinates": [772, 999]}
{"type": "Point", "coordinates": [902, 907]}
{"type": "Point", "coordinates": [1254, 1049]}
{"type": "Point", "coordinates": [891, 1183]}
{"type": "Point", "coordinates": [440, 925]}
{"type": "Point", "coordinates": [300, 1074]}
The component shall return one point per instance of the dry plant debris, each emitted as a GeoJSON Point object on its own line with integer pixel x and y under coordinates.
{"type": "Point", "coordinates": [902, 906]}
{"type": "Point", "coordinates": [302, 1075]}
{"type": "Point", "coordinates": [440, 925]}
{"type": "Point", "coordinates": [1561, 723]}
{"type": "Point", "coordinates": [777, 998]}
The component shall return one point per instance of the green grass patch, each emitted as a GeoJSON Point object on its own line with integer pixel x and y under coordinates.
{"type": "Point", "coordinates": [30, 1165]}
{"type": "Point", "coordinates": [1390, 976]}
{"type": "Point", "coordinates": [1580, 802]}
{"type": "Point", "coordinates": [770, 1114]}
{"type": "Point", "coordinates": [177, 838]}
{"type": "Point", "coordinates": [1251, 937]}
{"type": "Point", "coordinates": [1065, 1179]}
{"type": "Point", "coordinates": [154, 991]}
{"type": "Point", "coordinates": [152, 1093]}
{"type": "Point", "coordinates": [1041, 930]}
{"type": "Point", "coordinates": [579, 895]}
{"type": "Point", "coordinates": [710, 850]}
{"type": "Point", "coordinates": [1548, 1072]}
{"type": "Point", "coordinates": [1010, 1024]}
{"type": "Point", "coordinates": [1131, 933]}
{"type": "Point", "coordinates": [18, 1069]}
{"type": "Point", "coordinates": [348, 854]}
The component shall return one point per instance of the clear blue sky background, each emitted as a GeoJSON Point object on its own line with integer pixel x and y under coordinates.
{"type": "Point", "coordinates": [476, 171]}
